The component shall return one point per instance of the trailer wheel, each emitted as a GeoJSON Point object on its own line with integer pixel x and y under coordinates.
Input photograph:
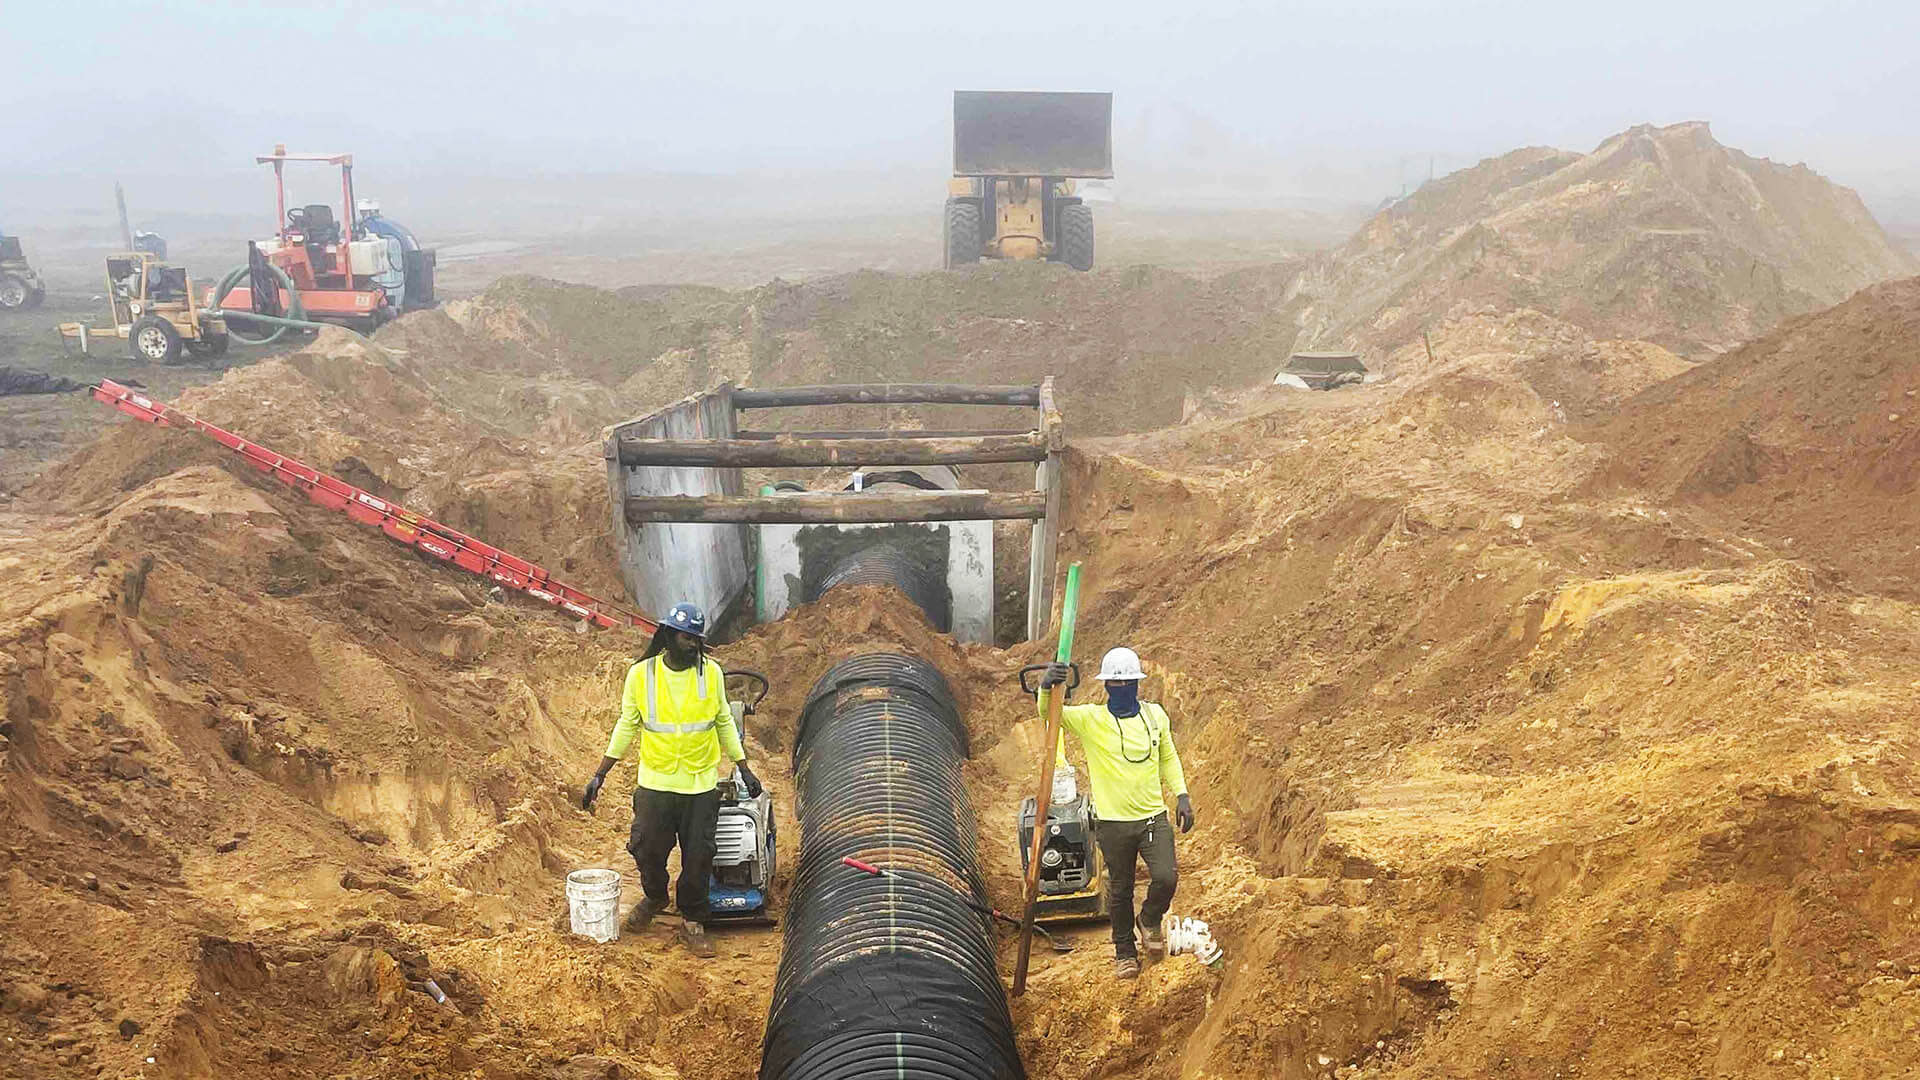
{"type": "Point", "coordinates": [14, 293]}
{"type": "Point", "coordinates": [154, 340]}
{"type": "Point", "coordinates": [1076, 236]}
{"type": "Point", "coordinates": [211, 346]}
{"type": "Point", "coordinates": [963, 235]}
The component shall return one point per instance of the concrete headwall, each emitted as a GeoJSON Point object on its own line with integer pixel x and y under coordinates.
{"type": "Point", "coordinates": [663, 564]}
{"type": "Point", "coordinates": [966, 565]}
{"type": "Point", "coordinates": [957, 553]}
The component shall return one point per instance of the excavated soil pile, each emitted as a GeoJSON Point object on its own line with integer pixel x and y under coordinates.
{"type": "Point", "coordinates": [1515, 753]}
{"type": "Point", "coordinates": [1510, 767]}
{"type": "Point", "coordinates": [1540, 723]}
{"type": "Point", "coordinates": [479, 433]}
{"type": "Point", "coordinates": [266, 774]}
{"type": "Point", "coordinates": [1660, 234]}
{"type": "Point", "coordinates": [1808, 438]}
{"type": "Point", "coordinates": [1129, 346]}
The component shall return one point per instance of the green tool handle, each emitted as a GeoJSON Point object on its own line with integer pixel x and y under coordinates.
{"type": "Point", "coordinates": [1069, 610]}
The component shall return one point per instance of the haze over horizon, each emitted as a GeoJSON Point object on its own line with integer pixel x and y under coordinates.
{"type": "Point", "coordinates": [464, 109]}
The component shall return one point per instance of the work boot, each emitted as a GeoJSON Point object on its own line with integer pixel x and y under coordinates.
{"type": "Point", "coordinates": [1126, 967]}
{"type": "Point", "coordinates": [642, 915]}
{"type": "Point", "coordinates": [694, 937]}
{"type": "Point", "coordinates": [1150, 937]}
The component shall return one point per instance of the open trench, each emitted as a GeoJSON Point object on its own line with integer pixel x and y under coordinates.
{"type": "Point", "coordinates": [267, 779]}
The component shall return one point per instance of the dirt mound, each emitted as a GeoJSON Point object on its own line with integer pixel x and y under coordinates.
{"type": "Point", "coordinates": [1496, 776]}
{"type": "Point", "coordinates": [1129, 346]}
{"type": "Point", "coordinates": [1808, 437]}
{"type": "Point", "coordinates": [463, 429]}
{"type": "Point", "coordinates": [265, 774]}
{"type": "Point", "coordinates": [1523, 740]}
{"type": "Point", "coordinates": [1659, 234]}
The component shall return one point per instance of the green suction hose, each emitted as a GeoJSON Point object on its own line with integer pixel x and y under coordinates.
{"type": "Point", "coordinates": [297, 311]}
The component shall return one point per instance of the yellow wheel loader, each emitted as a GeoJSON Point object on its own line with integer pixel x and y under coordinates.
{"type": "Point", "coordinates": [153, 311]}
{"type": "Point", "coordinates": [1016, 155]}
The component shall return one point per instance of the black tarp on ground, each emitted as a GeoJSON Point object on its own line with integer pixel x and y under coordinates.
{"type": "Point", "coordinates": [20, 381]}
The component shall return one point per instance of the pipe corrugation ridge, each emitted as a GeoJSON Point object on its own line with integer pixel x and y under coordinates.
{"type": "Point", "coordinates": [897, 565]}
{"type": "Point", "coordinates": [890, 976]}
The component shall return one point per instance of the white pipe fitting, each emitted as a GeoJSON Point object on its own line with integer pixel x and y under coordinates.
{"type": "Point", "coordinates": [1192, 937]}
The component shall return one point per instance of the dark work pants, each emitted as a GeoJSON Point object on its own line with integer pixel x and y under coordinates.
{"type": "Point", "coordinates": [1120, 842]}
{"type": "Point", "coordinates": [662, 819]}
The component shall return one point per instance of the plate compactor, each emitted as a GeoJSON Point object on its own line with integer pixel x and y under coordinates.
{"type": "Point", "coordinates": [743, 860]}
{"type": "Point", "coordinates": [1073, 880]}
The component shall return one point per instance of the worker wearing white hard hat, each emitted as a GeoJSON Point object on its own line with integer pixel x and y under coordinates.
{"type": "Point", "coordinates": [1130, 759]}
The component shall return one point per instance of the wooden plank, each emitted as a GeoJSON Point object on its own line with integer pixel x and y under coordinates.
{"type": "Point", "coordinates": [777, 453]}
{"type": "Point", "coordinates": [881, 433]}
{"type": "Point", "coordinates": [886, 394]}
{"type": "Point", "coordinates": [835, 507]}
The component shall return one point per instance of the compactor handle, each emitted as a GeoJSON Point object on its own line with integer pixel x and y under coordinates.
{"type": "Point", "coordinates": [753, 677]}
{"type": "Point", "coordinates": [1073, 681]}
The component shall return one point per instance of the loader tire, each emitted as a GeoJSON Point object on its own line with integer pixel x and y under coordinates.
{"type": "Point", "coordinates": [15, 293]}
{"type": "Point", "coordinates": [963, 235]}
{"type": "Point", "coordinates": [1076, 236]}
{"type": "Point", "coordinates": [153, 340]}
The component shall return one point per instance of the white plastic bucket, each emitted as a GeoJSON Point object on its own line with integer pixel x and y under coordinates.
{"type": "Point", "coordinates": [593, 903]}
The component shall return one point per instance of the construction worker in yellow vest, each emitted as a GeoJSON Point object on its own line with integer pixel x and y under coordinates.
{"type": "Point", "coordinates": [676, 701]}
{"type": "Point", "coordinates": [1130, 756]}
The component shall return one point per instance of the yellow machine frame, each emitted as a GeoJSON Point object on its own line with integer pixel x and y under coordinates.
{"type": "Point", "coordinates": [1019, 221]}
{"type": "Point", "coordinates": [131, 304]}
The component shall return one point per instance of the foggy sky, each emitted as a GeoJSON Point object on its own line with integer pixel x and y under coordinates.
{"type": "Point", "coordinates": [1330, 100]}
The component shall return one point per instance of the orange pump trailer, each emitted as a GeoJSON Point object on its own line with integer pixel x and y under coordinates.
{"type": "Point", "coordinates": [399, 523]}
{"type": "Point", "coordinates": [321, 268]}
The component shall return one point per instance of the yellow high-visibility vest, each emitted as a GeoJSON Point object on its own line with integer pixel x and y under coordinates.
{"type": "Point", "coordinates": [1129, 759]}
{"type": "Point", "coordinates": [683, 722]}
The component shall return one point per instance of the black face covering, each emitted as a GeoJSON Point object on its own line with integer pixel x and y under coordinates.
{"type": "Point", "coordinates": [1123, 698]}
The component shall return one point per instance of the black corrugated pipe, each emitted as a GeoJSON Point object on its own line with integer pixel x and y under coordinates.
{"type": "Point", "coordinates": [905, 568]}
{"type": "Point", "coordinates": [890, 975]}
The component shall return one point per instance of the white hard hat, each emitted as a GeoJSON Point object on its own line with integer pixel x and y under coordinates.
{"type": "Point", "coordinates": [368, 206]}
{"type": "Point", "coordinates": [1120, 665]}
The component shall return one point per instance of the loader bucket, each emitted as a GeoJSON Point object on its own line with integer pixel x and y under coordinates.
{"type": "Point", "coordinates": [1032, 133]}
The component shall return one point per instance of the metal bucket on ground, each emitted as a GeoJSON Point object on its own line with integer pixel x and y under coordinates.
{"type": "Point", "coordinates": [593, 903]}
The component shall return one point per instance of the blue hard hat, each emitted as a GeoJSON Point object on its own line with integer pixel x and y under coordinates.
{"type": "Point", "coordinates": [688, 619]}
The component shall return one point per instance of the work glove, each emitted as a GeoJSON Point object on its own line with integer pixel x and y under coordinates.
{"type": "Point", "coordinates": [1183, 814]}
{"type": "Point", "coordinates": [593, 792]}
{"type": "Point", "coordinates": [1056, 675]}
{"type": "Point", "coordinates": [747, 778]}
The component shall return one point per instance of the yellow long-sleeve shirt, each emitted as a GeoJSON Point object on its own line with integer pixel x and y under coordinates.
{"type": "Point", "coordinates": [682, 731]}
{"type": "Point", "coordinates": [1128, 758]}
